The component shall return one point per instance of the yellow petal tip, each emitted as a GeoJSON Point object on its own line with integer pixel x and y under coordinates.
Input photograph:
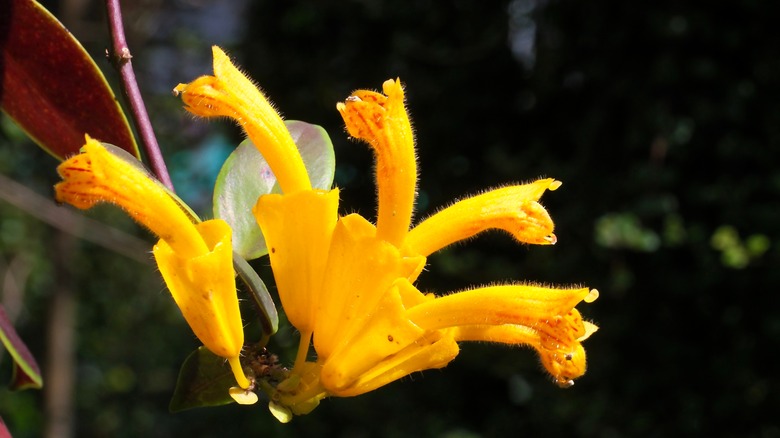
{"type": "Point", "coordinates": [281, 413]}
{"type": "Point", "coordinates": [590, 328]}
{"type": "Point", "coordinates": [591, 296]}
{"type": "Point", "coordinates": [566, 383]}
{"type": "Point", "coordinates": [554, 185]}
{"type": "Point", "coordinates": [179, 89]}
{"type": "Point", "coordinates": [243, 396]}
{"type": "Point", "coordinates": [388, 85]}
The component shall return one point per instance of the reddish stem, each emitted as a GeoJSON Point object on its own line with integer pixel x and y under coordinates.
{"type": "Point", "coordinates": [121, 59]}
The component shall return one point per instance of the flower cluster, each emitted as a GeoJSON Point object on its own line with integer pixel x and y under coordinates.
{"type": "Point", "coordinates": [346, 284]}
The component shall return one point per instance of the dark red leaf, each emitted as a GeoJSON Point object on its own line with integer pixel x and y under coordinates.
{"type": "Point", "coordinates": [50, 85]}
{"type": "Point", "coordinates": [26, 371]}
{"type": "Point", "coordinates": [4, 432]}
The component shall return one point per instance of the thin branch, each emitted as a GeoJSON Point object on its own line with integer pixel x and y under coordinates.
{"type": "Point", "coordinates": [67, 220]}
{"type": "Point", "coordinates": [121, 60]}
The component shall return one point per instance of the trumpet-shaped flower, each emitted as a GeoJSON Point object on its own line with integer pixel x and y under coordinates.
{"type": "Point", "coordinates": [195, 259]}
{"type": "Point", "coordinates": [348, 285]}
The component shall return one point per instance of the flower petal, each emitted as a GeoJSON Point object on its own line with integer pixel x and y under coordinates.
{"type": "Point", "coordinates": [540, 317]}
{"type": "Point", "coordinates": [96, 175]}
{"type": "Point", "coordinates": [361, 269]}
{"type": "Point", "coordinates": [382, 121]}
{"type": "Point", "coordinates": [297, 229]}
{"type": "Point", "coordinates": [513, 209]}
{"type": "Point", "coordinates": [564, 359]}
{"type": "Point", "coordinates": [388, 347]}
{"type": "Point", "coordinates": [496, 305]}
{"type": "Point", "coordinates": [204, 288]}
{"type": "Point", "coordinates": [231, 94]}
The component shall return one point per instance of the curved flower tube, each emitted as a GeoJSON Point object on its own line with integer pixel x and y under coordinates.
{"type": "Point", "coordinates": [348, 285]}
{"type": "Point", "coordinates": [195, 260]}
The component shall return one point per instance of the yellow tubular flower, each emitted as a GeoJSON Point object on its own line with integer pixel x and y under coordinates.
{"type": "Point", "coordinates": [231, 94]}
{"type": "Point", "coordinates": [195, 259]}
{"type": "Point", "coordinates": [347, 284]}
{"type": "Point", "coordinates": [298, 229]}
{"type": "Point", "coordinates": [514, 209]}
{"type": "Point", "coordinates": [383, 123]}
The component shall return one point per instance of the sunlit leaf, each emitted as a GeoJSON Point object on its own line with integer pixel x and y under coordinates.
{"type": "Point", "coordinates": [246, 175]}
{"type": "Point", "coordinates": [26, 372]}
{"type": "Point", "coordinates": [316, 150]}
{"type": "Point", "coordinates": [204, 380]}
{"type": "Point", "coordinates": [50, 85]}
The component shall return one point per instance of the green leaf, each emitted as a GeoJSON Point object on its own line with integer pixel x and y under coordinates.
{"type": "Point", "coordinates": [204, 380]}
{"type": "Point", "coordinates": [316, 150]}
{"type": "Point", "coordinates": [270, 318]}
{"type": "Point", "coordinates": [50, 85]}
{"type": "Point", "coordinates": [246, 176]}
{"type": "Point", "coordinates": [26, 373]}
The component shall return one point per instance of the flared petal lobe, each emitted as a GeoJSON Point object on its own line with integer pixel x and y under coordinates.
{"type": "Point", "coordinates": [543, 318]}
{"type": "Point", "coordinates": [297, 229]}
{"type": "Point", "coordinates": [388, 346]}
{"type": "Point", "coordinates": [204, 289]}
{"type": "Point", "coordinates": [360, 271]}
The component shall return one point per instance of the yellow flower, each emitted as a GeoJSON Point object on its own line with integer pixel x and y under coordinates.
{"type": "Point", "coordinates": [348, 285]}
{"type": "Point", "coordinates": [195, 260]}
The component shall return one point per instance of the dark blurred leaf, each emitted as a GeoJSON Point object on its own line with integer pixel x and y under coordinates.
{"type": "Point", "coordinates": [246, 175]}
{"type": "Point", "coordinates": [50, 85]}
{"type": "Point", "coordinates": [204, 380]}
{"type": "Point", "coordinates": [26, 372]}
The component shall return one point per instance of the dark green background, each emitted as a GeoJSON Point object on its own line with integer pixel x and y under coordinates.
{"type": "Point", "coordinates": [661, 118]}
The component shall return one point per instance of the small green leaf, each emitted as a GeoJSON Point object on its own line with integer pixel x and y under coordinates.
{"type": "Point", "coordinates": [243, 178]}
{"type": "Point", "coordinates": [204, 380]}
{"type": "Point", "coordinates": [26, 373]}
{"type": "Point", "coordinates": [316, 150]}
{"type": "Point", "coordinates": [51, 87]}
{"type": "Point", "coordinates": [246, 176]}
{"type": "Point", "coordinates": [270, 318]}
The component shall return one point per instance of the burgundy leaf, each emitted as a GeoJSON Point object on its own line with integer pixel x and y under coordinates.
{"type": "Point", "coordinates": [50, 85]}
{"type": "Point", "coordinates": [26, 371]}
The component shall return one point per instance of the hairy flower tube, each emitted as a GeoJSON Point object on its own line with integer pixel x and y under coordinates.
{"type": "Point", "coordinates": [195, 259]}
{"type": "Point", "coordinates": [348, 285]}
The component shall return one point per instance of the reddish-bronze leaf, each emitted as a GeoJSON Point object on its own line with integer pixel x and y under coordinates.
{"type": "Point", "coordinates": [4, 432]}
{"type": "Point", "coordinates": [50, 85]}
{"type": "Point", "coordinates": [26, 371]}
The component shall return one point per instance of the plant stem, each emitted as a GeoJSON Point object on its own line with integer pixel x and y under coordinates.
{"type": "Point", "coordinates": [121, 60]}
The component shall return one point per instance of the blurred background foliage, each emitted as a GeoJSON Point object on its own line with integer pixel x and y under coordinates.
{"type": "Point", "coordinates": [660, 118]}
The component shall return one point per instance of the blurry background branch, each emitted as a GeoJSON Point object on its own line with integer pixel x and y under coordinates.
{"type": "Point", "coordinates": [72, 222]}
